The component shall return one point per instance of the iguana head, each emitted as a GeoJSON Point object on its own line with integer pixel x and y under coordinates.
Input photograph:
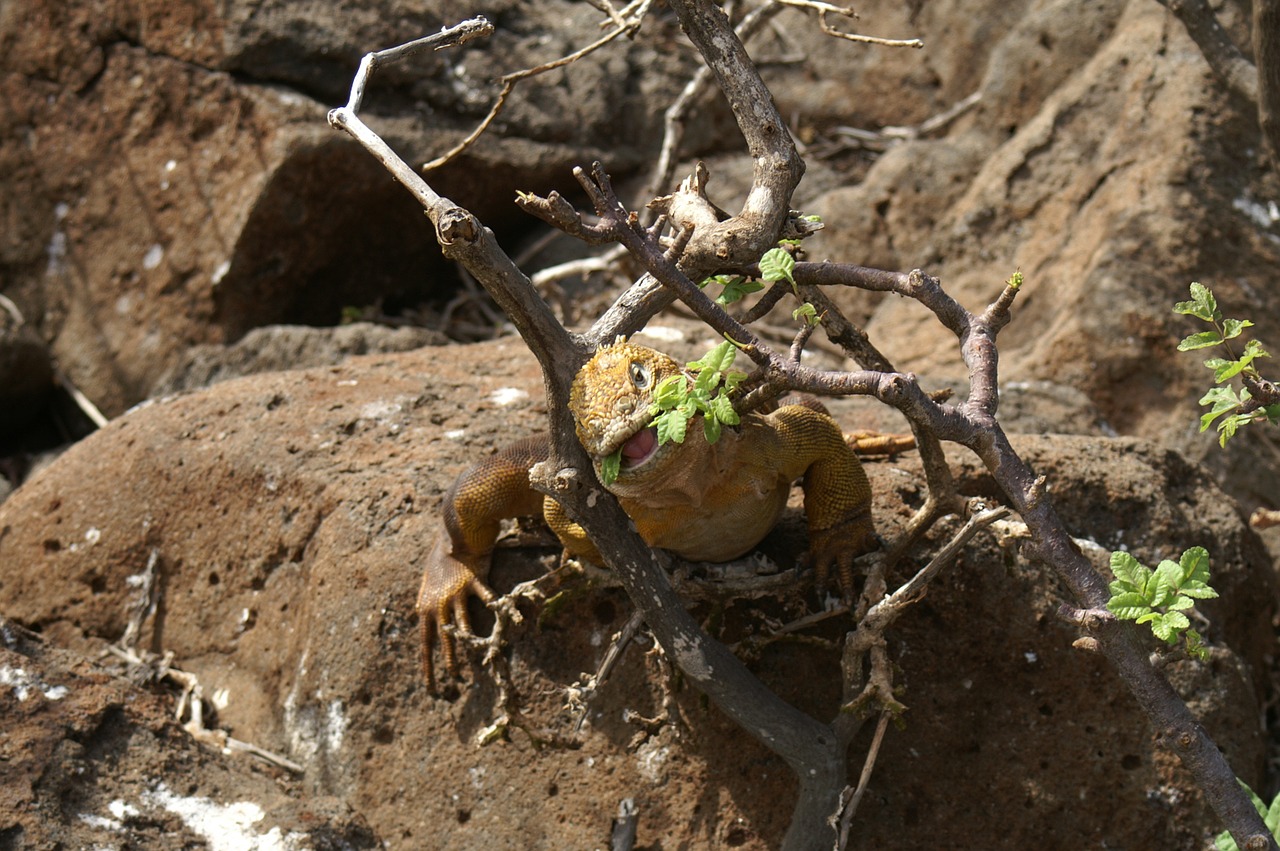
{"type": "Point", "coordinates": [612, 399]}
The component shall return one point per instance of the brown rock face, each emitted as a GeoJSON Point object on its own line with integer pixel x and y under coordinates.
{"type": "Point", "coordinates": [289, 514]}
{"type": "Point", "coordinates": [170, 178]}
{"type": "Point", "coordinates": [170, 195]}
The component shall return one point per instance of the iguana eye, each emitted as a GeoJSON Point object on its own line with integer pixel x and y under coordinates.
{"type": "Point", "coordinates": [639, 374]}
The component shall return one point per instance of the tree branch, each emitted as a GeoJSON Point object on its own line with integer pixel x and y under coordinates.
{"type": "Point", "coordinates": [812, 749]}
{"type": "Point", "coordinates": [1226, 60]}
{"type": "Point", "coordinates": [1266, 55]}
{"type": "Point", "coordinates": [777, 165]}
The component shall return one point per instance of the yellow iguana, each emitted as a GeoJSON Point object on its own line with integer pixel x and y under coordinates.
{"type": "Point", "coordinates": [702, 501]}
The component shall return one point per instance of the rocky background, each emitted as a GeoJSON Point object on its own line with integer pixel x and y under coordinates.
{"type": "Point", "coordinates": [176, 212]}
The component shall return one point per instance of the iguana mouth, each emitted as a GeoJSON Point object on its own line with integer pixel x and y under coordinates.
{"type": "Point", "coordinates": [639, 448]}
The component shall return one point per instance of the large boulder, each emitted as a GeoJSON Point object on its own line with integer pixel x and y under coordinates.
{"type": "Point", "coordinates": [170, 178]}
{"type": "Point", "coordinates": [288, 515]}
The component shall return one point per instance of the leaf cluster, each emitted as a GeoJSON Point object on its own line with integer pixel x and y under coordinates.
{"type": "Point", "coordinates": [777, 264]}
{"type": "Point", "coordinates": [1270, 817]}
{"type": "Point", "coordinates": [678, 399]}
{"type": "Point", "coordinates": [1224, 399]}
{"type": "Point", "coordinates": [1161, 596]}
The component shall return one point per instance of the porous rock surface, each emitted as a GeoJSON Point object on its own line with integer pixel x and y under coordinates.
{"type": "Point", "coordinates": [289, 513]}
{"type": "Point", "coordinates": [169, 183]}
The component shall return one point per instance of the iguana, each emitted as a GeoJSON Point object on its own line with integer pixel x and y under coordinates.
{"type": "Point", "coordinates": [702, 501]}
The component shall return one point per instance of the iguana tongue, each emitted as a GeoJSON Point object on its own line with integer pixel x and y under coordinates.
{"type": "Point", "coordinates": [639, 447]}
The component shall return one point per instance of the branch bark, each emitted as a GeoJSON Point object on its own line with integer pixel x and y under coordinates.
{"type": "Point", "coordinates": [811, 748]}
{"type": "Point", "coordinates": [1257, 81]}
{"type": "Point", "coordinates": [1266, 56]}
{"type": "Point", "coordinates": [742, 239]}
{"type": "Point", "coordinates": [808, 746]}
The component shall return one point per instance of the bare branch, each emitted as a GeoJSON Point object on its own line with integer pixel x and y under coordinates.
{"type": "Point", "coordinates": [777, 165]}
{"type": "Point", "coordinates": [1266, 53]}
{"type": "Point", "coordinates": [849, 807]}
{"type": "Point", "coordinates": [699, 84]}
{"type": "Point", "coordinates": [1226, 60]}
{"type": "Point", "coordinates": [623, 27]}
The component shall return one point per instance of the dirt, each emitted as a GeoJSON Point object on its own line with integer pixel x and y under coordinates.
{"type": "Point", "coordinates": [176, 211]}
{"type": "Point", "coordinates": [289, 514]}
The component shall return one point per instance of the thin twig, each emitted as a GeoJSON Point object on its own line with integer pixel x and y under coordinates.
{"type": "Point", "coordinates": [581, 694]}
{"type": "Point", "coordinates": [83, 402]}
{"type": "Point", "coordinates": [145, 605]}
{"type": "Point", "coordinates": [866, 39]}
{"type": "Point", "coordinates": [509, 81]}
{"type": "Point", "coordinates": [851, 805]}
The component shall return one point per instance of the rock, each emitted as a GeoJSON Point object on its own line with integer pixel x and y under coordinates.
{"type": "Point", "coordinates": [289, 514]}
{"type": "Point", "coordinates": [282, 347]}
{"type": "Point", "coordinates": [1106, 163]}
{"type": "Point", "coordinates": [94, 761]}
{"type": "Point", "coordinates": [172, 180]}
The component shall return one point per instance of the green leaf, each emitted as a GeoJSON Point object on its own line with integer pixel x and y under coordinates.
{"type": "Point", "coordinates": [1168, 627]}
{"type": "Point", "coordinates": [1202, 305]}
{"type": "Point", "coordinates": [671, 427]}
{"type": "Point", "coordinates": [711, 429]}
{"type": "Point", "coordinates": [1198, 591]}
{"type": "Point", "coordinates": [704, 383]}
{"type": "Point", "coordinates": [1231, 328]}
{"type": "Point", "coordinates": [737, 288]}
{"type": "Point", "coordinates": [721, 409]}
{"type": "Point", "coordinates": [1224, 369]}
{"type": "Point", "coordinates": [1128, 606]}
{"type": "Point", "coordinates": [1195, 564]}
{"type": "Point", "coordinates": [1227, 428]}
{"type": "Point", "coordinates": [806, 313]}
{"type": "Point", "coordinates": [1168, 577]}
{"type": "Point", "coordinates": [777, 265]}
{"type": "Point", "coordinates": [610, 465]}
{"type": "Point", "coordinates": [1125, 567]}
{"type": "Point", "coordinates": [1222, 399]}
{"type": "Point", "coordinates": [718, 359]}
{"type": "Point", "coordinates": [1203, 340]}
{"type": "Point", "coordinates": [1181, 603]}
{"type": "Point", "coordinates": [1253, 349]}
{"type": "Point", "coordinates": [671, 391]}
{"type": "Point", "coordinates": [1196, 648]}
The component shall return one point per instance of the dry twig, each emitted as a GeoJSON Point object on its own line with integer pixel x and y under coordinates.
{"type": "Point", "coordinates": [625, 23]}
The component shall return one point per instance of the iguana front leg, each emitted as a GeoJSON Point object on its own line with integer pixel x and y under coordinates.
{"type": "Point", "coordinates": [837, 494]}
{"type": "Point", "coordinates": [458, 564]}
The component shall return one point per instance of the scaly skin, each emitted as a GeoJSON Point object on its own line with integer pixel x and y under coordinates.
{"type": "Point", "coordinates": [704, 502]}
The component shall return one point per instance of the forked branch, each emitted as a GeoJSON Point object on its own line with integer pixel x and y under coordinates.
{"type": "Point", "coordinates": [812, 749]}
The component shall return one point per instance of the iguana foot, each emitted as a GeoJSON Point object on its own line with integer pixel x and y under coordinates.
{"type": "Point", "coordinates": [442, 602]}
{"type": "Point", "coordinates": [836, 547]}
